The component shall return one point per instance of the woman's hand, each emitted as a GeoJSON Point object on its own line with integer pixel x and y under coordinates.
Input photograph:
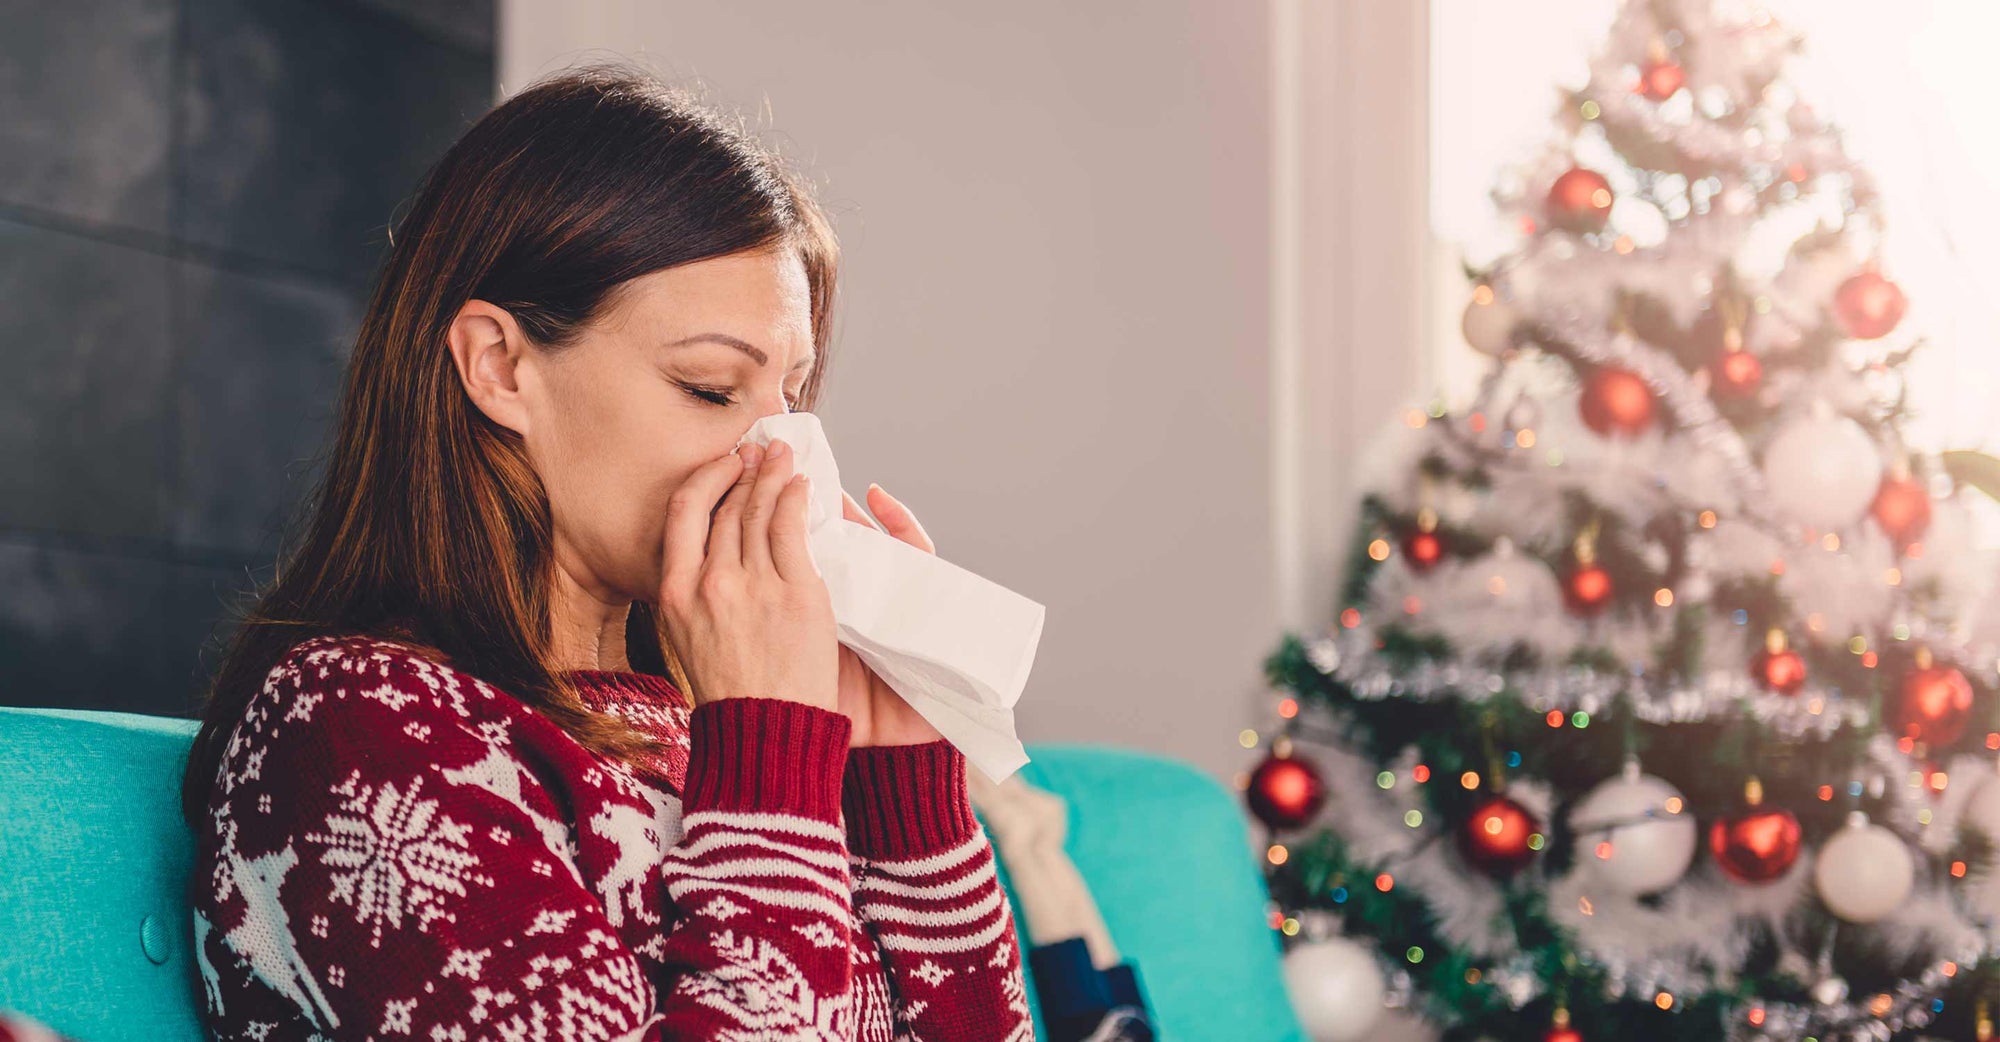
{"type": "Point", "coordinates": [880, 715]}
{"type": "Point", "coordinates": [746, 608]}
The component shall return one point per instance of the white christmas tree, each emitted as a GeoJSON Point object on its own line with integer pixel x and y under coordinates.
{"type": "Point", "coordinates": [1661, 704]}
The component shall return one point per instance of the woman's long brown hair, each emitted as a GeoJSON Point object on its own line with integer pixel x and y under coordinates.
{"type": "Point", "coordinates": [427, 524]}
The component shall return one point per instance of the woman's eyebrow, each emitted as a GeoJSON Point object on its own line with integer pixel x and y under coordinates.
{"type": "Point", "coordinates": [756, 353]}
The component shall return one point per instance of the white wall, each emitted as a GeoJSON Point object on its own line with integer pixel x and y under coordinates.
{"type": "Point", "coordinates": [1053, 326]}
{"type": "Point", "coordinates": [1126, 286]}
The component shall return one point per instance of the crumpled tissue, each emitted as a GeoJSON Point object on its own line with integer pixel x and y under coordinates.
{"type": "Point", "coordinates": [955, 645]}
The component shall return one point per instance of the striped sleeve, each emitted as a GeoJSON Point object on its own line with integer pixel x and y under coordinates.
{"type": "Point", "coordinates": [762, 945]}
{"type": "Point", "coordinates": [927, 887]}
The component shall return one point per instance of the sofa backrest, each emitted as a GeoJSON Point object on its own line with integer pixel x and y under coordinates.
{"type": "Point", "coordinates": [96, 939]}
{"type": "Point", "coordinates": [95, 936]}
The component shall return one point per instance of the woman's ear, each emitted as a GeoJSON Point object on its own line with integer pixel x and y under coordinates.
{"type": "Point", "coordinates": [487, 348]}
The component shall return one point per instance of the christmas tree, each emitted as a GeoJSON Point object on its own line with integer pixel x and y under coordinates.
{"type": "Point", "coordinates": [1659, 704]}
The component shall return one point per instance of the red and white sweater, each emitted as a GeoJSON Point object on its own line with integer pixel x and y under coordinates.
{"type": "Point", "coordinates": [396, 849]}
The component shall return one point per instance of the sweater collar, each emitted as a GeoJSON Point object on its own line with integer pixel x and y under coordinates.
{"type": "Point", "coordinates": [609, 687]}
{"type": "Point", "coordinates": [649, 703]}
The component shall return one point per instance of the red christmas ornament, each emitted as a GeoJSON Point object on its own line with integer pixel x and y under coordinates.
{"type": "Point", "coordinates": [1587, 589]}
{"type": "Point", "coordinates": [1933, 704]}
{"type": "Point", "coordinates": [1868, 305]}
{"type": "Point", "coordinates": [1580, 200]}
{"type": "Point", "coordinates": [1498, 837]}
{"type": "Point", "coordinates": [1423, 549]}
{"type": "Point", "coordinates": [1780, 671]}
{"type": "Point", "coordinates": [1738, 374]}
{"type": "Point", "coordinates": [1616, 401]}
{"type": "Point", "coordinates": [1902, 508]}
{"type": "Point", "coordinates": [1661, 79]}
{"type": "Point", "coordinates": [1777, 667]}
{"type": "Point", "coordinates": [1758, 844]}
{"type": "Point", "coordinates": [1285, 792]}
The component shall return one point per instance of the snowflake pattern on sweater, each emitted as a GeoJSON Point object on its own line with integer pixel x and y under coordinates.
{"type": "Point", "coordinates": [396, 849]}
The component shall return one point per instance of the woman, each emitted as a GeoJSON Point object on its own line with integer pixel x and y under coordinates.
{"type": "Point", "coordinates": [449, 784]}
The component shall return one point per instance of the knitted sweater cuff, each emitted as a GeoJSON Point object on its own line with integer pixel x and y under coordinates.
{"type": "Point", "coordinates": [766, 754]}
{"type": "Point", "coordinates": [904, 801]}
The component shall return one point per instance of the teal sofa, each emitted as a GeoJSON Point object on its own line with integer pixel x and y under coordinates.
{"type": "Point", "coordinates": [95, 936]}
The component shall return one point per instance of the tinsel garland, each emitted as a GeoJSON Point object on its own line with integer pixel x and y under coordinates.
{"type": "Point", "coordinates": [1486, 953]}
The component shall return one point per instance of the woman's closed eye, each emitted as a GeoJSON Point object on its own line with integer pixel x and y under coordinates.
{"type": "Point", "coordinates": [722, 396]}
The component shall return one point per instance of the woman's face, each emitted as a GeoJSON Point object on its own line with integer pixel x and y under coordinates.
{"type": "Point", "coordinates": [673, 372]}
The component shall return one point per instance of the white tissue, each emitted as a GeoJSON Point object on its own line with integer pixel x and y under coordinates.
{"type": "Point", "coordinates": [956, 646]}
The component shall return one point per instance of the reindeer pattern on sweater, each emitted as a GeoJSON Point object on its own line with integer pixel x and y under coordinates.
{"type": "Point", "coordinates": [396, 849]}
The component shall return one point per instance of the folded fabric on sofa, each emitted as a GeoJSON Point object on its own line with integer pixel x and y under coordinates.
{"type": "Point", "coordinates": [1086, 992]}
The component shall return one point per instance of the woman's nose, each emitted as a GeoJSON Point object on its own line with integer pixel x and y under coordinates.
{"type": "Point", "coordinates": [776, 405]}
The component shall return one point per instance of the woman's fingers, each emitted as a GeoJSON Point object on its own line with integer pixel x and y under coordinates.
{"type": "Point", "coordinates": [852, 511]}
{"type": "Point", "coordinates": [898, 520]}
{"type": "Point", "coordinates": [725, 537]}
{"type": "Point", "coordinates": [790, 554]}
{"type": "Point", "coordinates": [772, 474]}
{"type": "Point", "coordinates": [689, 511]}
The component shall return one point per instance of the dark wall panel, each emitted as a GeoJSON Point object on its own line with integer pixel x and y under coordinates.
{"type": "Point", "coordinates": [307, 122]}
{"type": "Point", "coordinates": [261, 361]}
{"type": "Point", "coordinates": [194, 195]}
{"type": "Point", "coordinates": [84, 92]}
{"type": "Point", "coordinates": [83, 422]}
{"type": "Point", "coordinates": [87, 629]}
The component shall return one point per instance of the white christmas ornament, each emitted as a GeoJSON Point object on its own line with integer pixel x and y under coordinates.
{"type": "Point", "coordinates": [1489, 326]}
{"type": "Point", "coordinates": [1822, 471]}
{"type": "Point", "coordinates": [1830, 991]}
{"type": "Point", "coordinates": [1336, 987]}
{"type": "Point", "coordinates": [1864, 872]}
{"type": "Point", "coordinates": [1634, 835]}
